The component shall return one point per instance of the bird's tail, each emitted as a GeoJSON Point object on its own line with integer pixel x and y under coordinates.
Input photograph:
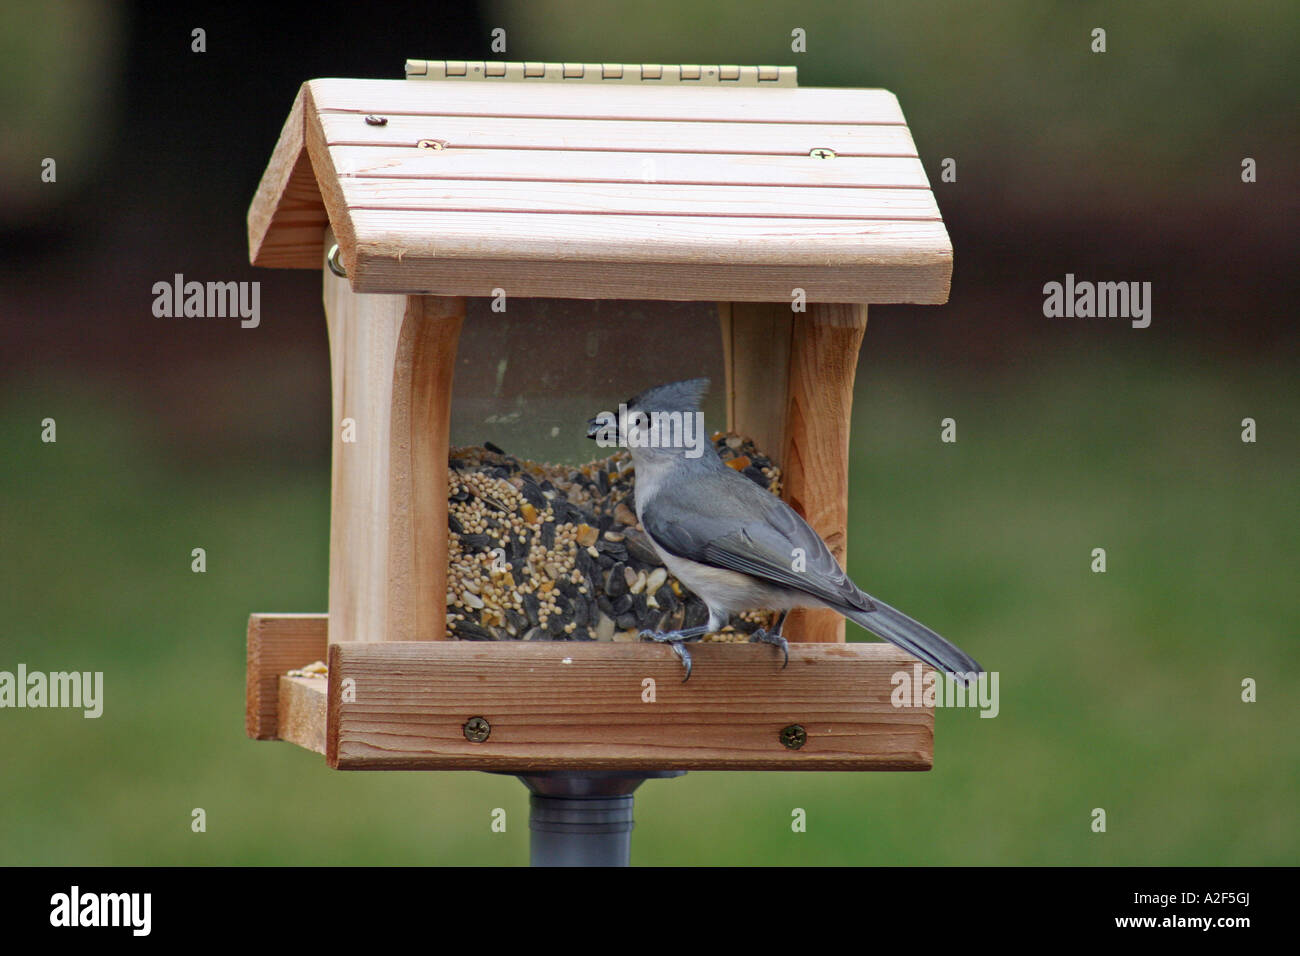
{"type": "Point", "coordinates": [915, 638]}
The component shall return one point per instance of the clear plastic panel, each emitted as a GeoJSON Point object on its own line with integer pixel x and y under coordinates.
{"type": "Point", "coordinates": [529, 378]}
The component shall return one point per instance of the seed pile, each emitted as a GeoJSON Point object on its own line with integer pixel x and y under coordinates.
{"type": "Point", "coordinates": [554, 553]}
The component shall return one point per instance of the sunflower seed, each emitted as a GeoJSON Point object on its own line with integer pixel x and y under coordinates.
{"type": "Point", "coordinates": [616, 583]}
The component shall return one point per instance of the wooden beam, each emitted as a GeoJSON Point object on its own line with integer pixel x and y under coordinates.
{"type": "Point", "coordinates": [277, 643]}
{"type": "Point", "coordinates": [612, 256]}
{"type": "Point", "coordinates": [583, 706]}
{"type": "Point", "coordinates": [419, 446]}
{"type": "Point", "coordinates": [756, 355]}
{"type": "Point", "coordinates": [790, 388]}
{"type": "Point", "coordinates": [302, 712]}
{"type": "Point", "coordinates": [392, 359]}
{"type": "Point", "coordinates": [815, 459]}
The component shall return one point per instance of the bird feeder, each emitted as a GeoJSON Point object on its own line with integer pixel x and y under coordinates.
{"type": "Point", "coordinates": [792, 209]}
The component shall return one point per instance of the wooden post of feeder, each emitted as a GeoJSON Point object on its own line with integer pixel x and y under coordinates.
{"type": "Point", "coordinates": [790, 388]}
{"type": "Point", "coordinates": [392, 359]}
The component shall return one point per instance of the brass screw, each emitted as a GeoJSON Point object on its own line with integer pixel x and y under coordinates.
{"type": "Point", "coordinates": [431, 144]}
{"type": "Point", "coordinates": [477, 730]}
{"type": "Point", "coordinates": [793, 737]}
{"type": "Point", "coordinates": [821, 152]}
{"type": "Point", "coordinates": [376, 120]}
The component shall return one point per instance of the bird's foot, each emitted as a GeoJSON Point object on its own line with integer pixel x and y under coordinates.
{"type": "Point", "coordinates": [677, 641]}
{"type": "Point", "coordinates": [764, 636]}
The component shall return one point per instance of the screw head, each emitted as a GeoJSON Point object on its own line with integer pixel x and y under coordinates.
{"type": "Point", "coordinates": [793, 737]}
{"type": "Point", "coordinates": [431, 144]}
{"type": "Point", "coordinates": [376, 120]}
{"type": "Point", "coordinates": [477, 730]}
{"type": "Point", "coordinates": [822, 152]}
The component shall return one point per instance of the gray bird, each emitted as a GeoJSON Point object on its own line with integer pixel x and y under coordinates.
{"type": "Point", "coordinates": [735, 545]}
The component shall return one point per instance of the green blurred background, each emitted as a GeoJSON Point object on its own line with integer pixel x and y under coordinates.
{"type": "Point", "coordinates": [1119, 690]}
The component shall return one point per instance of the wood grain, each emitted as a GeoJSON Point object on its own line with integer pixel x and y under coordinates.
{"type": "Point", "coordinates": [756, 356]}
{"type": "Point", "coordinates": [363, 334]}
{"type": "Point", "coordinates": [815, 460]}
{"type": "Point", "coordinates": [421, 437]}
{"type": "Point", "coordinates": [277, 643]}
{"type": "Point", "coordinates": [391, 358]}
{"type": "Point", "coordinates": [579, 706]}
{"type": "Point", "coordinates": [302, 712]}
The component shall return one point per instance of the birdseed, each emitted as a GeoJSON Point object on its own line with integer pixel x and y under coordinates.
{"type": "Point", "coordinates": [541, 552]}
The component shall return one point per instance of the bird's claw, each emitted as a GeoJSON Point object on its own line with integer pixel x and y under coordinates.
{"type": "Point", "coordinates": [763, 636]}
{"type": "Point", "coordinates": [676, 640]}
{"type": "Point", "coordinates": [680, 650]}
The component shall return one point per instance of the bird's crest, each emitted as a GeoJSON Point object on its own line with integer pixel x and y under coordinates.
{"type": "Point", "coordinates": [684, 396]}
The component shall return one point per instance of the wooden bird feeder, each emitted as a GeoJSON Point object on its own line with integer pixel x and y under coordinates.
{"type": "Point", "coordinates": [726, 185]}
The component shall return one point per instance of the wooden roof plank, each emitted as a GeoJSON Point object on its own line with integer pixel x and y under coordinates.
{"type": "Point", "coordinates": [471, 132]}
{"type": "Point", "coordinates": [535, 165]}
{"type": "Point", "coordinates": [798, 202]}
{"type": "Point", "coordinates": [681, 103]}
{"type": "Point", "coordinates": [923, 281]}
{"type": "Point", "coordinates": [617, 256]}
{"type": "Point", "coordinates": [619, 238]}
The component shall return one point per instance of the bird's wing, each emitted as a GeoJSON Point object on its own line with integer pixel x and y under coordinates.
{"type": "Point", "coordinates": [769, 541]}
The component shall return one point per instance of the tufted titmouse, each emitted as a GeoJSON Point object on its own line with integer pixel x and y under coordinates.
{"type": "Point", "coordinates": [737, 546]}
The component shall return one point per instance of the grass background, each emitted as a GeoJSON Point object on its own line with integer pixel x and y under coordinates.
{"type": "Point", "coordinates": [1119, 690]}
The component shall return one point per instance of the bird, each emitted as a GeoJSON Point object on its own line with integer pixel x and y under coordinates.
{"type": "Point", "coordinates": [734, 544]}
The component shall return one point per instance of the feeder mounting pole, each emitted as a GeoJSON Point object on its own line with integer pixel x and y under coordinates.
{"type": "Point", "coordinates": [583, 819]}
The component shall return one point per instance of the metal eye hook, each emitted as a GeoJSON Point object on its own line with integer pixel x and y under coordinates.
{"type": "Point", "coordinates": [332, 260]}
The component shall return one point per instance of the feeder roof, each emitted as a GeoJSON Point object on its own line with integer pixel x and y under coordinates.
{"type": "Point", "coordinates": [449, 187]}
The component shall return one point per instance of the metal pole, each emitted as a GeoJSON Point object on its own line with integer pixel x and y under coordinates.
{"type": "Point", "coordinates": [583, 819]}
